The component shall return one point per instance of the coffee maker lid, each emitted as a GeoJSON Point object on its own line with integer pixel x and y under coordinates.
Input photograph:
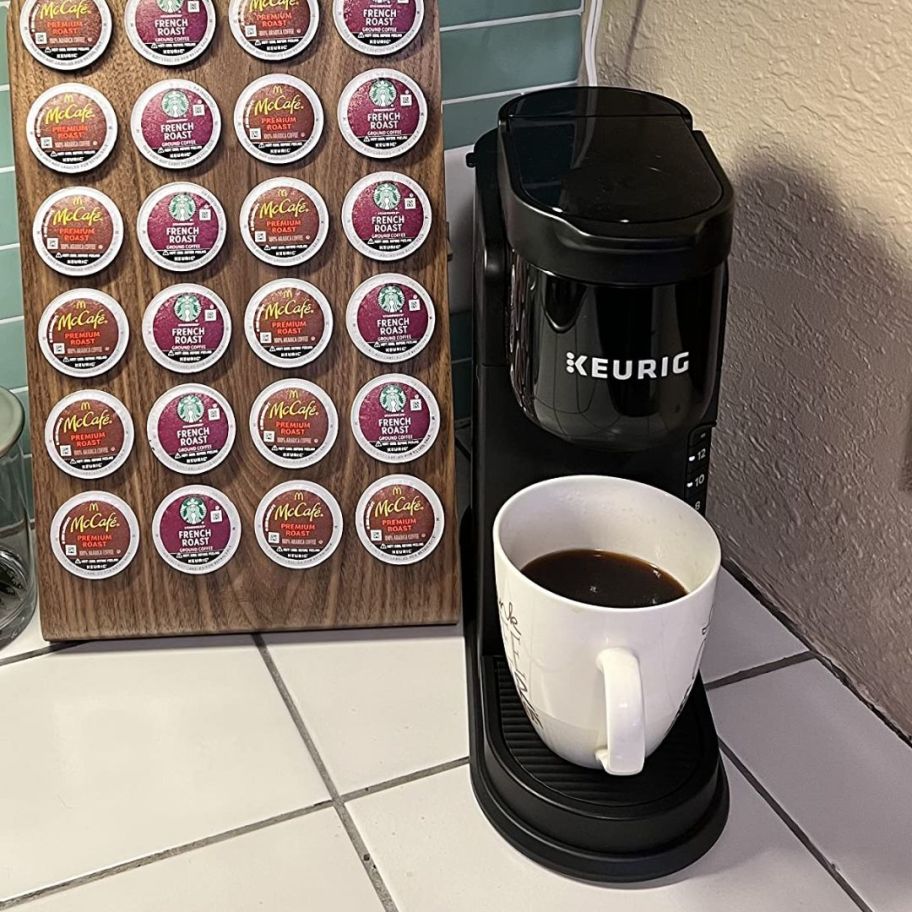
{"type": "Point", "coordinates": [613, 186]}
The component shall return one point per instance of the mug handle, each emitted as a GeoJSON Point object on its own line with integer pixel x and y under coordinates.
{"type": "Point", "coordinates": [625, 752]}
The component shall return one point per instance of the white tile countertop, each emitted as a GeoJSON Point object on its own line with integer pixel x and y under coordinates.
{"type": "Point", "coordinates": [328, 772]}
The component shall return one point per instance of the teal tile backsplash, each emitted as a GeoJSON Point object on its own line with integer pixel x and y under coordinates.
{"type": "Point", "coordinates": [12, 347]}
{"type": "Point", "coordinates": [4, 65]}
{"type": "Point", "coordinates": [10, 285]}
{"type": "Point", "coordinates": [465, 121]}
{"type": "Point", "coordinates": [6, 139]}
{"type": "Point", "coordinates": [9, 231]}
{"type": "Point", "coordinates": [511, 54]}
{"type": "Point", "coordinates": [478, 61]}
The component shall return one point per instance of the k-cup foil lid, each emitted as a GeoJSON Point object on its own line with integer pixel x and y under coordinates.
{"type": "Point", "coordinates": [390, 318]}
{"type": "Point", "coordinates": [170, 32]}
{"type": "Point", "coordinates": [294, 423]}
{"type": "Point", "coordinates": [94, 535]}
{"type": "Point", "coordinates": [78, 231]}
{"type": "Point", "coordinates": [284, 221]}
{"type": "Point", "coordinates": [278, 119]}
{"type": "Point", "coordinates": [400, 519]}
{"type": "Point", "coordinates": [378, 27]}
{"type": "Point", "coordinates": [65, 35]}
{"type": "Point", "coordinates": [273, 29]}
{"type": "Point", "coordinates": [191, 429]}
{"type": "Point", "coordinates": [187, 328]}
{"type": "Point", "coordinates": [176, 123]}
{"type": "Point", "coordinates": [83, 332]}
{"type": "Point", "coordinates": [395, 418]}
{"type": "Point", "coordinates": [89, 434]}
{"type": "Point", "coordinates": [386, 216]}
{"type": "Point", "coordinates": [382, 113]}
{"type": "Point", "coordinates": [181, 227]}
{"type": "Point", "coordinates": [288, 323]}
{"type": "Point", "coordinates": [298, 524]}
{"type": "Point", "coordinates": [196, 529]}
{"type": "Point", "coordinates": [71, 128]}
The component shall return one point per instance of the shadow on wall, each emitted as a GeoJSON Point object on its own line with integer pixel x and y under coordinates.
{"type": "Point", "coordinates": [812, 467]}
{"type": "Point", "coordinates": [813, 472]}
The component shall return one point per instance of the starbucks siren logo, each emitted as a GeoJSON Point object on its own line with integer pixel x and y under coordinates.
{"type": "Point", "coordinates": [383, 93]}
{"type": "Point", "coordinates": [182, 207]}
{"type": "Point", "coordinates": [190, 409]}
{"type": "Point", "coordinates": [387, 196]}
{"type": "Point", "coordinates": [170, 6]}
{"type": "Point", "coordinates": [187, 308]}
{"type": "Point", "coordinates": [392, 398]}
{"type": "Point", "coordinates": [193, 511]}
{"type": "Point", "coordinates": [175, 103]}
{"type": "Point", "coordinates": [391, 299]}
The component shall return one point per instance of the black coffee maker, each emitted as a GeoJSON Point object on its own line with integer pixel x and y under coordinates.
{"type": "Point", "coordinates": [602, 227]}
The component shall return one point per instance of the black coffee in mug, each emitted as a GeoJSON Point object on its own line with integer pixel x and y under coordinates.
{"type": "Point", "coordinates": [604, 578]}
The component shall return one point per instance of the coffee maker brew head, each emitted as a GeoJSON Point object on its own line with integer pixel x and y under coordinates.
{"type": "Point", "coordinates": [618, 222]}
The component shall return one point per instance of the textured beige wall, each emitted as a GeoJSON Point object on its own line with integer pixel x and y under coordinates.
{"type": "Point", "coordinates": [809, 106]}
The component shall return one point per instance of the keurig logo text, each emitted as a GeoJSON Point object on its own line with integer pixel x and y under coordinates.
{"type": "Point", "coordinates": [612, 369]}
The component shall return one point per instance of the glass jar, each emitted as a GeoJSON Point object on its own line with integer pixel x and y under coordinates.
{"type": "Point", "coordinates": [17, 572]}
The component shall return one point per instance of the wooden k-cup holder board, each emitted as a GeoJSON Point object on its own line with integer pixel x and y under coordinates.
{"type": "Point", "coordinates": [335, 545]}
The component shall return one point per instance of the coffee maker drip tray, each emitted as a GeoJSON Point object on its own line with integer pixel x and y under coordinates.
{"type": "Point", "coordinates": [583, 822]}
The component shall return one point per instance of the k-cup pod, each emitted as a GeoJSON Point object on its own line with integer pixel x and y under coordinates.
{"type": "Point", "coordinates": [181, 227]}
{"type": "Point", "coordinates": [170, 32]}
{"type": "Point", "coordinates": [176, 124]}
{"type": "Point", "coordinates": [395, 418]}
{"type": "Point", "coordinates": [390, 318]}
{"type": "Point", "coordinates": [284, 221]}
{"type": "Point", "coordinates": [382, 113]}
{"type": "Point", "coordinates": [400, 519]}
{"type": "Point", "coordinates": [191, 429]}
{"type": "Point", "coordinates": [71, 128]}
{"type": "Point", "coordinates": [94, 535]}
{"type": "Point", "coordinates": [386, 216]}
{"type": "Point", "coordinates": [288, 323]}
{"type": "Point", "coordinates": [187, 328]}
{"type": "Point", "coordinates": [378, 27]}
{"type": "Point", "coordinates": [273, 30]}
{"type": "Point", "coordinates": [196, 529]}
{"type": "Point", "coordinates": [89, 434]}
{"type": "Point", "coordinates": [83, 332]}
{"type": "Point", "coordinates": [78, 231]}
{"type": "Point", "coordinates": [278, 119]}
{"type": "Point", "coordinates": [298, 525]}
{"type": "Point", "coordinates": [294, 423]}
{"type": "Point", "coordinates": [65, 36]}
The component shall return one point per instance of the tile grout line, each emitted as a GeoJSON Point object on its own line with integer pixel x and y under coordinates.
{"type": "Point", "coordinates": [357, 841]}
{"type": "Point", "coordinates": [794, 827]}
{"type": "Point", "coordinates": [743, 579]}
{"type": "Point", "coordinates": [418, 775]}
{"type": "Point", "coordinates": [37, 653]}
{"type": "Point", "coordinates": [511, 20]}
{"type": "Point", "coordinates": [756, 671]}
{"type": "Point", "coordinates": [143, 861]}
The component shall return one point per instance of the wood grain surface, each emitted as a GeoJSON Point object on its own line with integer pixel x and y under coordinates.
{"type": "Point", "coordinates": [351, 589]}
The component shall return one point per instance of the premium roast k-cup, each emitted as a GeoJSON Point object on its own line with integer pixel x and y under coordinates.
{"type": "Point", "coordinates": [71, 128]}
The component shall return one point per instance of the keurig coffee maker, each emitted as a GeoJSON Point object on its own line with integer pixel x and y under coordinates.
{"type": "Point", "coordinates": [602, 227]}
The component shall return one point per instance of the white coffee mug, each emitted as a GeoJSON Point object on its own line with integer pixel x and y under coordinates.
{"type": "Point", "coordinates": [603, 686]}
